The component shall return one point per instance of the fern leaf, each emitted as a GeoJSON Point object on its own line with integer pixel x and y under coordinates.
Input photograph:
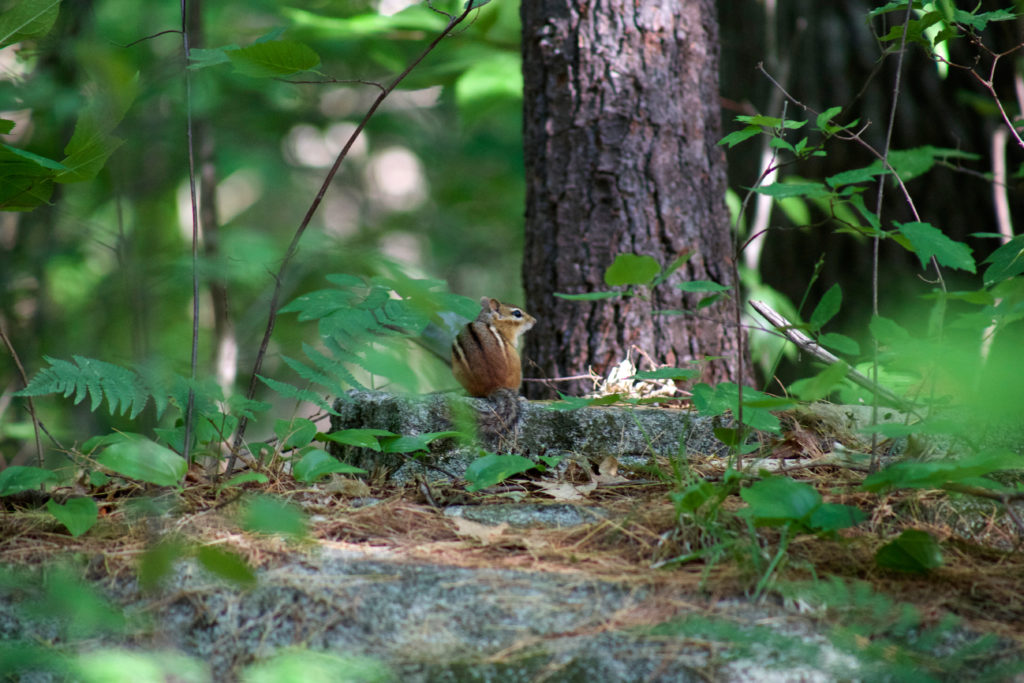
{"type": "Point", "coordinates": [289, 391]}
{"type": "Point", "coordinates": [123, 389]}
{"type": "Point", "coordinates": [334, 368]}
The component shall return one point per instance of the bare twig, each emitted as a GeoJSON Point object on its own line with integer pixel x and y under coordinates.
{"type": "Point", "coordinates": [194, 358]}
{"type": "Point", "coordinates": [877, 239]}
{"type": "Point", "coordinates": [24, 379]}
{"type": "Point", "coordinates": [293, 246]}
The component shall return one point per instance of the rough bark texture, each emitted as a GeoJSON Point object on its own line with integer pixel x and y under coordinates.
{"type": "Point", "coordinates": [621, 121]}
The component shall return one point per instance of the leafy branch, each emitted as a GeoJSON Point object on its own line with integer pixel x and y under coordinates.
{"type": "Point", "coordinates": [454, 20]}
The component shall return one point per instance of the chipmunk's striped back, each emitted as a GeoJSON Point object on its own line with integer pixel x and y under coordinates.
{"type": "Point", "coordinates": [484, 356]}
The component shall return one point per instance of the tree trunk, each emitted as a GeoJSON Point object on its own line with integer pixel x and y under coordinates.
{"type": "Point", "coordinates": [621, 121]}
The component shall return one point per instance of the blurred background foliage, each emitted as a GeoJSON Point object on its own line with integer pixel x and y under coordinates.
{"type": "Point", "coordinates": [433, 187]}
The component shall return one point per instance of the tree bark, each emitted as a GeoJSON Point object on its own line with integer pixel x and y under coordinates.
{"type": "Point", "coordinates": [621, 121]}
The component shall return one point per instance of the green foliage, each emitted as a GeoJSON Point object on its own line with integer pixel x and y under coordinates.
{"type": "Point", "coordinates": [914, 552]}
{"type": "Point", "coordinates": [111, 664]}
{"type": "Point", "coordinates": [27, 19]}
{"type": "Point", "coordinates": [631, 269]}
{"type": "Point", "coordinates": [270, 515]}
{"type": "Point", "coordinates": [316, 463]}
{"type": "Point", "coordinates": [722, 398]}
{"type": "Point", "coordinates": [963, 470]}
{"type": "Point", "coordinates": [127, 392]}
{"type": "Point", "coordinates": [136, 457]}
{"type": "Point", "coordinates": [318, 667]}
{"type": "Point", "coordinates": [892, 641]}
{"type": "Point", "coordinates": [226, 565]}
{"type": "Point", "coordinates": [783, 502]}
{"type": "Point", "coordinates": [78, 515]}
{"type": "Point", "coordinates": [364, 325]}
{"type": "Point", "coordinates": [491, 469]}
{"type": "Point", "coordinates": [18, 478]}
{"type": "Point", "coordinates": [273, 59]}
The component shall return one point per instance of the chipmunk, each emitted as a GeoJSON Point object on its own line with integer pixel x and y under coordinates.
{"type": "Point", "coordinates": [486, 363]}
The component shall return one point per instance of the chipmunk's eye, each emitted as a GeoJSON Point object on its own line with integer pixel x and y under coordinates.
{"type": "Point", "coordinates": [517, 313]}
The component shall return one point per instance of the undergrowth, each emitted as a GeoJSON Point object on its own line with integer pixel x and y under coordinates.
{"type": "Point", "coordinates": [954, 386]}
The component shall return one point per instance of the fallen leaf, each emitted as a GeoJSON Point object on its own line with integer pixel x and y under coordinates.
{"type": "Point", "coordinates": [484, 533]}
{"type": "Point", "coordinates": [563, 490]}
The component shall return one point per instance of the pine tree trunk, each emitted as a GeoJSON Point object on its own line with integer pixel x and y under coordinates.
{"type": "Point", "coordinates": [621, 121]}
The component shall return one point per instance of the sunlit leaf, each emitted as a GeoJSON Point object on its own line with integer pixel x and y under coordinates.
{"type": "Point", "coordinates": [273, 58]}
{"type": "Point", "coordinates": [929, 241]}
{"type": "Point", "coordinates": [827, 308]}
{"type": "Point", "coordinates": [492, 469]}
{"type": "Point", "coordinates": [318, 463]}
{"type": "Point", "coordinates": [631, 269]}
{"type": "Point", "coordinates": [139, 458]}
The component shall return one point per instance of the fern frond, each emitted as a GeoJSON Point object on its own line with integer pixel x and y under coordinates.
{"type": "Point", "coordinates": [125, 390]}
{"type": "Point", "coordinates": [289, 391]}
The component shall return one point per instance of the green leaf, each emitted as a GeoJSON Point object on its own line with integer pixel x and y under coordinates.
{"type": "Point", "coordinates": [27, 19]}
{"type": "Point", "coordinates": [736, 137]}
{"type": "Point", "coordinates": [500, 76]}
{"type": "Point", "coordinates": [270, 515]}
{"type": "Point", "coordinates": [35, 158]}
{"type": "Point", "coordinates": [245, 478]}
{"type": "Point", "coordinates": [929, 241]}
{"type": "Point", "coordinates": [782, 190]}
{"type": "Point", "coordinates": [273, 59]}
{"type": "Point", "coordinates": [294, 433]}
{"type": "Point", "coordinates": [724, 397]}
{"type": "Point", "coordinates": [669, 373]}
{"type": "Point", "coordinates": [158, 561]}
{"type": "Point", "coordinates": [778, 501]}
{"type": "Point", "coordinates": [834, 516]}
{"type": "Point", "coordinates": [78, 515]}
{"type": "Point", "coordinates": [589, 296]}
{"type": "Point", "coordinates": [827, 308]}
{"type": "Point", "coordinates": [913, 551]}
{"type": "Point", "coordinates": [936, 474]}
{"type": "Point", "coordinates": [410, 444]}
{"type": "Point", "coordinates": [1007, 261]}
{"type": "Point", "coordinates": [825, 117]}
{"type": "Point", "coordinates": [226, 565]}
{"type": "Point", "coordinates": [855, 176]}
{"type": "Point", "coordinates": [18, 478]}
{"type": "Point", "coordinates": [840, 342]}
{"type": "Point", "coordinates": [886, 331]}
{"type": "Point", "coordinates": [317, 463]}
{"type": "Point", "coordinates": [980, 20]}
{"type": "Point", "coordinates": [492, 469]}
{"type": "Point", "coordinates": [631, 269]}
{"type": "Point", "coordinates": [361, 438]}
{"type": "Point", "coordinates": [692, 497]}
{"type": "Point", "coordinates": [137, 457]}
{"type": "Point", "coordinates": [821, 385]}
{"type": "Point", "coordinates": [577, 402]}
{"type": "Point", "coordinates": [702, 286]}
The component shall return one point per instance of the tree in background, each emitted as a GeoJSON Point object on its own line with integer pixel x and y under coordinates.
{"type": "Point", "coordinates": [621, 122]}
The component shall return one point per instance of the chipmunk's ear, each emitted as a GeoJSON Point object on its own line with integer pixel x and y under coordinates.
{"type": "Point", "coordinates": [490, 304]}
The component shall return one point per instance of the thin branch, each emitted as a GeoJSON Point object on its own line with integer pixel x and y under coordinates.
{"type": "Point", "coordinates": [877, 240]}
{"type": "Point", "coordinates": [808, 345]}
{"type": "Point", "coordinates": [293, 246]}
{"type": "Point", "coordinates": [24, 379]}
{"type": "Point", "coordinates": [194, 358]}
